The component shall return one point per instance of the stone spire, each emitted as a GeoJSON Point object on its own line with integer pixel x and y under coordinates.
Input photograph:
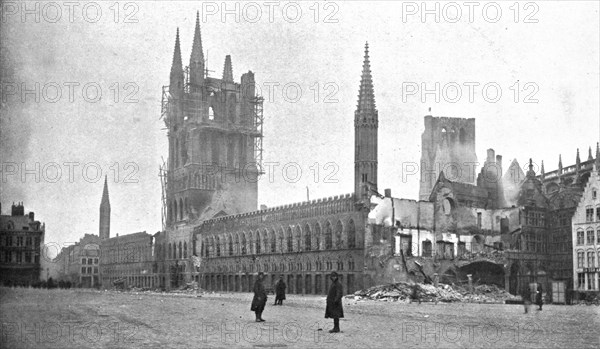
{"type": "Point", "coordinates": [176, 80]}
{"type": "Point", "coordinates": [197, 56]}
{"type": "Point", "coordinates": [104, 230]}
{"type": "Point", "coordinates": [590, 157]}
{"type": "Point", "coordinates": [228, 70]}
{"type": "Point", "coordinates": [366, 96]}
{"type": "Point", "coordinates": [542, 172]}
{"type": "Point", "coordinates": [365, 134]}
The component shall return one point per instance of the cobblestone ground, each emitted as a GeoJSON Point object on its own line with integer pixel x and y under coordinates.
{"type": "Point", "coordinates": [33, 318]}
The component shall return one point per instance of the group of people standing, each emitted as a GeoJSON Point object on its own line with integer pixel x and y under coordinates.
{"type": "Point", "coordinates": [527, 297]}
{"type": "Point", "coordinates": [333, 309]}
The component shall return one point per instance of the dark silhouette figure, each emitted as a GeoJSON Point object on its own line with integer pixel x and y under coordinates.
{"type": "Point", "coordinates": [526, 295]}
{"type": "Point", "coordinates": [280, 287]}
{"type": "Point", "coordinates": [539, 300]}
{"type": "Point", "coordinates": [334, 309]}
{"type": "Point", "coordinates": [415, 294]}
{"type": "Point", "coordinates": [260, 297]}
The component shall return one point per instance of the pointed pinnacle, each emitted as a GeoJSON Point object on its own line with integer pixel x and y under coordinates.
{"type": "Point", "coordinates": [197, 55]}
{"type": "Point", "coordinates": [366, 97]}
{"type": "Point", "coordinates": [177, 53]}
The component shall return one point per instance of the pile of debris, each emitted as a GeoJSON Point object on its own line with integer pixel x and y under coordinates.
{"type": "Point", "coordinates": [496, 256]}
{"type": "Point", "coordinates": [190, 287]}
{"type": "Point", "coordinates": [405, 292]}
{"type": "Point", "coordinates": [486, 294]}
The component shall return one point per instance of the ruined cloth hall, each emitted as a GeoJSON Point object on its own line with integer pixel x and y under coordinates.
{"type": "Point", "coordinates": [500, 229]}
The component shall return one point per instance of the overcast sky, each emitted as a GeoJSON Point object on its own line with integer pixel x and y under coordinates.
{"type": "Point", "coordinates": [555, 60]}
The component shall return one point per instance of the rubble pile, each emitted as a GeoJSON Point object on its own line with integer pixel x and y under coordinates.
{"type": "Point", "coordinates": [404, 292]}
{"type": "Point", "coordinates": [486, 294]}
{"type": "Point", "coordinates": [190, 287]}
{"type": "Point", "coordinates": [485, 254]}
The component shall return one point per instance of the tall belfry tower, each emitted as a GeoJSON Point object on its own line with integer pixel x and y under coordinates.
{"type": "Point", "coordinates": [104, 230]}
{"type": "Point", "coordinates": [215, 139]}
{"type": "Point", "coordinates": [365, 134]}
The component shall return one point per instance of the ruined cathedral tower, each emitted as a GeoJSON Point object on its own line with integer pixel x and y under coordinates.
{"type": "Point", "coordinates": [104, 230]}
{"type": "Point", "coordinates": [365, 134]}
{"type": "Point", "coordinates": [448, 145]}
{"type": "Point", "coordinates": [214, 127]}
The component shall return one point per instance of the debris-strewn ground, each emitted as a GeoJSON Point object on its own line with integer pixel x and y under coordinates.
{"type": "Point", "coordinates": [405, 292]}
{"type": "Point", "coordinates": [76, 318]}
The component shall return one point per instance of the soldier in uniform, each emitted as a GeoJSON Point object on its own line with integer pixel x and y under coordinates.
{"type": "Point", "coordinates": [280, 291]}
{"type": "Point", "coordinates": [260, 297]}
{"type": "Point", "coordinates": [334, 309]}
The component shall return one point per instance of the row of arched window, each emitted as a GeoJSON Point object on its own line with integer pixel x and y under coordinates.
{"type": "Point", "coordinates": [283, 267]}
{"type": "Point", "coordinates": [590, 261]}
{"type": "Point", "coordinates": [588, 237]}
{"type": "Point", "coordinates": [177, 210]}
{"type": "Point", "coordinates": [282, 240]}
{"type": "Point", "coordinates": [173, 250]}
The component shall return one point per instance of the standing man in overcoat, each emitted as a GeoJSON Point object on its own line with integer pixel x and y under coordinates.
{"type": "Point", "coordinates": [334, 309]}
{"type": "Point", "coordinates": [260, 297]}
{"type": "Point", "coordinates": [280, 287]}
{"type": "Point", "coordinates": [539, 299]}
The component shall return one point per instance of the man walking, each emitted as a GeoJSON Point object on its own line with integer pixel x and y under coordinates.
{"type": "Point", "coordinates": [280, 291]}
{"type": "Point", "coordinates": [334, 309]}
{"type": "Point", "coordinates": [260, 297]}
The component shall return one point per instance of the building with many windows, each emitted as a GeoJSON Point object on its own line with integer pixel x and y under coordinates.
{"type": "Point", "coordinates": [79, 264]}
{"type": "Point", "coordinates": [586, 239]}
{"type": "Point", "coordinates": [21, 241]}
{"type": "Point", "coordinates": [128, 259]}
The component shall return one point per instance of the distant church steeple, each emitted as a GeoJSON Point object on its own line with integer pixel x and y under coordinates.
{"type": "Point", "coordinates": [365, 133]}
{"type": "Point", "coordinates": [104, 231]}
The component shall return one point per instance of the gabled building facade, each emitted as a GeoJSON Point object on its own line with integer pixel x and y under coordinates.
{"type": "Point", "coordinates": [21, 247]}
{"type": "Point", "coordinates": [586, 239]}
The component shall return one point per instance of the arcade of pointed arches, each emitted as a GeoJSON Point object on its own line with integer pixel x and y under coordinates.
{"type": "Point", "coordinates": [307, 236]}
{"type": "Point", "coordinates": [304, 253]}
